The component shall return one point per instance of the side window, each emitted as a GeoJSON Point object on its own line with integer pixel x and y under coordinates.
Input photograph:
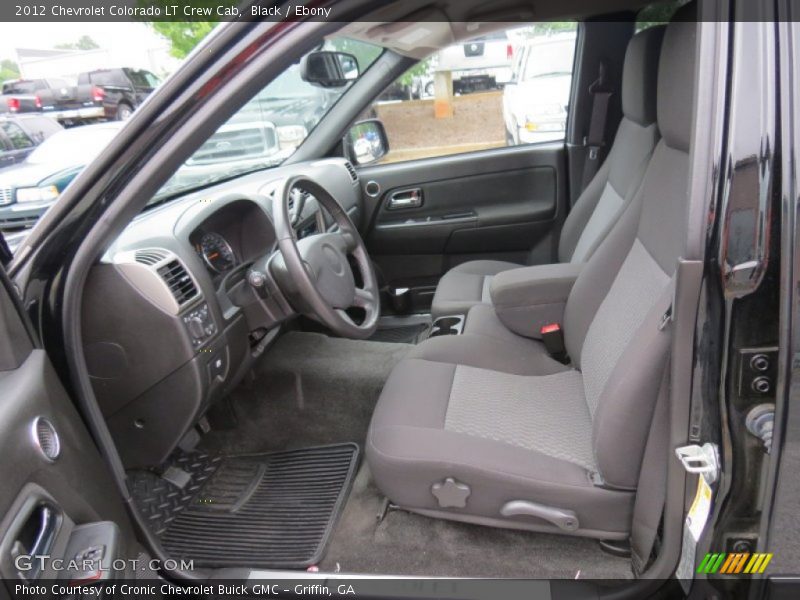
{"type": "Point", "coordinates": [503, 89]}
{"type": "Point", "coordinates": [18, 138]}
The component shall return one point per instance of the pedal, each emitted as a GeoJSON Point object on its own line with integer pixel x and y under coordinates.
{"type": "Point", "coordinates": [203, 425]}
{"type": "Point", "coordinates": [189, 441]}
{"type": "Point", "coordinates": [177, 477]}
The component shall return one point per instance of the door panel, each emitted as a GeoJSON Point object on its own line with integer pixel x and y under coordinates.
{"type": "Point", "coordinates": [56, 488]}
{"type": "Point", "coordinates": [502, 204]}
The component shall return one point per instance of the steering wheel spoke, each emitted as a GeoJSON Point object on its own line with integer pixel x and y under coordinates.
{"type": "Point", "coordinates": [364, 298]}
{"type": "Point", "coordinates": [345, 317]}
{"type": "Point", "coordinates": [350, 241]}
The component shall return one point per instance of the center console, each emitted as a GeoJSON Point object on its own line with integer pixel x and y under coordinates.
{"type": "Point", "coordinates": [447, 325]}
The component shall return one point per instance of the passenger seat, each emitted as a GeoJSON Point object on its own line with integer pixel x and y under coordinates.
{"type": "Point", "coordinates": [603, 200]}
{"type": "Point", "coordinates": [468, 428]}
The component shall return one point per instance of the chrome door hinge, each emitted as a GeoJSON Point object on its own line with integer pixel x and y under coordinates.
{"type": "Point", "coordinates": [702, 460]}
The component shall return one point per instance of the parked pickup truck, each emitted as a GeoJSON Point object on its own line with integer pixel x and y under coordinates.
{"type": "Point", "coordinates": [36, 95]}
{"type": "Point", "coordinates": [113, 94]}
{"type": "Point", "coordinates": [478, 65]}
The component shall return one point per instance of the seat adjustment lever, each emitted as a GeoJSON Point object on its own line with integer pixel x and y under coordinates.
{"type": "Point", "coordinates": [560, 517]}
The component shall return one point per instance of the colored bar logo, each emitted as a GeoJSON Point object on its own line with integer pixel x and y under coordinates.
{"type": "Point", "coordinates": [734, 563]}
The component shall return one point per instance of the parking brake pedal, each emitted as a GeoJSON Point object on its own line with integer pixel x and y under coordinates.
{"type": "Point", "coordinates": [177, 477]}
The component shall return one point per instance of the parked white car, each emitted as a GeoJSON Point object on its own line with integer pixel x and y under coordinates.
{"type": "Point", "coordinates": [535, 100]}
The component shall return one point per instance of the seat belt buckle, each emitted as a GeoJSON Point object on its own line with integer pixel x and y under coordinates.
{"type": "Point", "coordinates": [553, 338]}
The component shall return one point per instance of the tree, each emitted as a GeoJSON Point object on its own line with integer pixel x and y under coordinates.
{"type": "Point", "coordinates": [83, 43]}
{"type": "Point", "coordinates": [550, 27]}
{"type": "Point", "coordinates": [8, 70]}
{"type": "Point", "coordinates": [183, 37]}
{"type": "Point", "coordinates": [420, 69]}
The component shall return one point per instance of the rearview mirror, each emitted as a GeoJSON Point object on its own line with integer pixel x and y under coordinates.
{"type": "Point", "coordinates": [366, 142]}
{"type": "Point", "coordinates": [329, 69]}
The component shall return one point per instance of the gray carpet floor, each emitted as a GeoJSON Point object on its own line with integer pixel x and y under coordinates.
{"type": "Point", "coordinates": [341, 381]}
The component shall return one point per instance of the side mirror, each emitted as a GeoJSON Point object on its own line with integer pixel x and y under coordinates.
{"type": "Point", "coordinates": [366, 142]}
{"type": "Point", "coordinates": [329, 69]}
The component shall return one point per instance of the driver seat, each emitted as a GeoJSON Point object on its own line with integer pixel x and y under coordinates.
{"type": "Point", "coordinates": [470, 430]}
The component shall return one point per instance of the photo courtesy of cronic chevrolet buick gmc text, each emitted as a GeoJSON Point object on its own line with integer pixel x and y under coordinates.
{"type": "Point", "coordinates": [282, 328]}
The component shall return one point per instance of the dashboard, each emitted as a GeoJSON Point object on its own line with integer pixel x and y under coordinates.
{"type": "Point", "coordinates": [170, 321]}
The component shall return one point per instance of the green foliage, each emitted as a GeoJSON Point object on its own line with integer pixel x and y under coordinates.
{"type": "Point", "coordinates": [657, 14]}
{"type": "Point", "coordinates": [551, 27]}
{"type": "Point", "coordinates": [419, 69]}
{"type": "Point", "coordinates": [83, 43]}
{"type": "Point", "coordinates": [183, 36]}
{"type": "Point", "coordinates": [8, 70]}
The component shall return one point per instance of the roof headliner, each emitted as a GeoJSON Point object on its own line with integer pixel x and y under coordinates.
{"type": "Point", "coordinates": [417, 28]}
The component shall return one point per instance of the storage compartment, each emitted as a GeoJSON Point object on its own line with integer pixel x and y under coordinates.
{"type": "Point", "coordinates": [449, 325]}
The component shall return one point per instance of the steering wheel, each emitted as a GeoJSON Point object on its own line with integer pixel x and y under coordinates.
{"type": "Point", "coordinates": [317, 265]}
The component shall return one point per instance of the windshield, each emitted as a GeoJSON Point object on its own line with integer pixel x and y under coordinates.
{"type": "Point", "coordinates": [77, 146]}
{"type": "Point", "coordinates": [268, 129]}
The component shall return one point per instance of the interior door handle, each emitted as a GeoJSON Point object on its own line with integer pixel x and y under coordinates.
{"type": "Point", "coordinates": [405, 199]}
{"type": "Point", "coordinates": [45, 520]}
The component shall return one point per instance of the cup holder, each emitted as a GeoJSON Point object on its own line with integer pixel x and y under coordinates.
{"type": "Point", "coordinates": [448, 322]}
{"type": "Point", "coordinates": [447, 326]}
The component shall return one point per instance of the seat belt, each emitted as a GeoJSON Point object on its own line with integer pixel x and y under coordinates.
{"type": "Point", "coordinates": [601, 92]}
{"type": "Point", "coordinates": [651, 492]}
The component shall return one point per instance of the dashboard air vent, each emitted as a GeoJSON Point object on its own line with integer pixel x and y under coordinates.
{"type": "Point", "coordinates": [149, 257]}
{"type": "Point", "coordinates": [352, 170]}
{"type": "Point", "coordinates": [178, 281]}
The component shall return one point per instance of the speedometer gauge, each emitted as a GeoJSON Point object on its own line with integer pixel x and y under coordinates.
{"type": "Point", "coordinates": [217, 252]}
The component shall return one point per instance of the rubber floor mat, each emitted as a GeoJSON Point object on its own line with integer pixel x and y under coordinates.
{"type": "Point", "coordinates": [261, 510]}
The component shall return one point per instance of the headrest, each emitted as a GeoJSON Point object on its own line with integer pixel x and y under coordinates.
{"type": "Point", "coordinates": [676, 79]}
{"type": "Point", "coordinates": [640, 75]}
